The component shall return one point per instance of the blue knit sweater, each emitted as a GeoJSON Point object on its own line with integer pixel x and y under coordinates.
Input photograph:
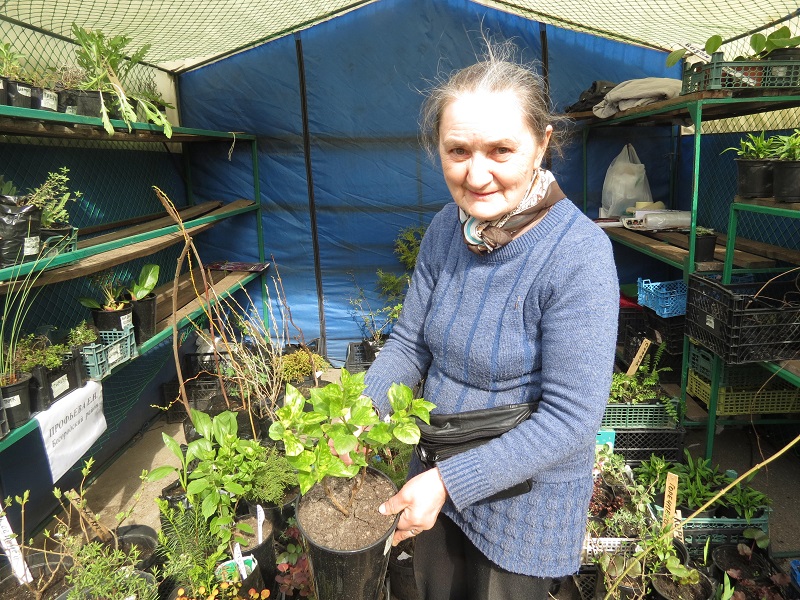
{"type": "Point", "coordinates": [534, 319]}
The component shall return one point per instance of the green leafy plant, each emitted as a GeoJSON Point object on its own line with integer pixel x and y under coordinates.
{"type": "Point", "coordinates": [374, 323]}
{"type": "Point", "coordinates": [296, 366]}
{"type": "Point", "coordinates": [342, 415]}
{"type": "Point", "coordinates": [81, 334]}
{"type": "Point", "coordinates": [226, 467]}
{"type": "Point", "coordinates": [787, 147]}
{"type": "Point", "coordinates": [643, 386]}
{"type": "Point", "coordinates": [34, 350]}
{"type": "Point", "coordinates": [107, 66]}
{"type": "Point", "coordinates": [754, 147]}
{"type": "Point", "coordinates": [111, 290]}
{"type": "Point", "coordinates": [271, 478]}
{"type": "Point", "coordinates": [620, 570]}
{"type": "Point", "coordinates": [760, 44]}
{"type": "Point", "coordinates": [52, 197]}
{"type": "Point", "coordinates": [10, 63]}
{"type": "Point", "coordinates": [745, 500]}
{"type": "Point", "coordinates": [702, 231]}
{"type": "Point", "coordinates": [7, 188]}
{"type": "Point", "coordinates": [145, 283]}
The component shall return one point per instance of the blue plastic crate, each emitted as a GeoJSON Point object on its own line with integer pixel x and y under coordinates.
{"type": "Point", "coordinates": [665, 298]}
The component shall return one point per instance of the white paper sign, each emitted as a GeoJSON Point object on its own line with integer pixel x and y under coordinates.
{"type": "Point", "coordinates": [70, 427]}
{"type": "Point", "coordinates": [11, 547]}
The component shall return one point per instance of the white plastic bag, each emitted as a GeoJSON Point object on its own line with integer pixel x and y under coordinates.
{"type": "Point", "coordinates": [625, 183]}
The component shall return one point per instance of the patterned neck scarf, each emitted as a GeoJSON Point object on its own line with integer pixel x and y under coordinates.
{"type": "Point", "coordinates": [482, 237]}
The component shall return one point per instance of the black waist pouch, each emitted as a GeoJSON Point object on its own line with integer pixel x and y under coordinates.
{"type": "Point", "coordinates": [448, 435]}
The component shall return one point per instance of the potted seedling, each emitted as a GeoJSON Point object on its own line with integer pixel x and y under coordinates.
{"type": "Point", "coordinates": [52, 198]}
{"type": "Point", "coordinates": [68, 79]}
{"type": "Point", "coordinates": [754, 165]}
{"type": "Point", "coordinates": [107, 65]}
{"type": "Point", "coordinates": [16, 85]}
{"type": "Point", "coordinates": [342, 499]}
{"type": "Point", "coordinates": [20, 222]}
{"type": "Point", "coordinates": [56, 369]}
{"type": "Point", "coordinates": [43, 94]}
{"type": "Point", "coordinates": [143, 302]}
{"type": "Point", "coordinates": [705, 243]}
{"type": "Point", "coordinates": [112, 311]}
{"type": "Point", "coordinates": [786, 168]}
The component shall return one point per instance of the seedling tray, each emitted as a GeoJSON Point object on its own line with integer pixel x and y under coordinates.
{"type": "Point", "coordinates": [357, 359]}
{"type": "Point", "coordinates": [743, 323]}
{"type": "Point", "coordinates": [114, 348]}
{"type": "Point", "coordinates": [740, 75]}
{"type": "Point", "coordinates": [637, 445]}
{"type": "Point", "coordinates": [640, 416]}
{"type": "Point", "coordinates": [777, 396]}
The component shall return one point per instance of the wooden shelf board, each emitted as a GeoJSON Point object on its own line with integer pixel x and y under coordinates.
{"type": "Point", "coordinates": [771, 202]}
{"type": "Point", "coordinates": [740, 258]}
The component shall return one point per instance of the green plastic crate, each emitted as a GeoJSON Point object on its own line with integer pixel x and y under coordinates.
{"type": "Point", "coordinates": [740, 75]}
{"type": "Point", "coordinates": [116, 348]}
{"type": "Point", "coordinates": [739, 376]}
{"type": "Point", "coordinates": [778, 396]}
{"type": "Point", "coordinates": [640, 416]}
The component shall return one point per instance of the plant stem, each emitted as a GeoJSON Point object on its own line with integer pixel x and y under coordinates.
{"type": "Point", "coordinates": [334, 501]}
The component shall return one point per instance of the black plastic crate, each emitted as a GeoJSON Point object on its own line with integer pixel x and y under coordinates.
{"type": "Point", "coordinates": [743, 323]}
{"type": "Point", "coordinates": [204, 364]}
{"type": "Point", "coordinates": [666, 329]}
{"type": "Point", "coordinates": [672, 362]}
{"type": "Point", "coordinates": [198, 391]}
{"type": "Point", "coordinates": [637, 445]}
{"type": "Point", "coordinates": [358, 359]}
{"type": "Point", "coordinates": [629, 317]}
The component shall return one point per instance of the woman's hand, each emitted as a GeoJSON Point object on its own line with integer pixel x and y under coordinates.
{"type": "Point", "coordinates": [418, 502]}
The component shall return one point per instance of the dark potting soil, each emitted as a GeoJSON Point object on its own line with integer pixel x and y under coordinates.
{"type": "Point", "coordinates": [252, 539]}
{"type": "Point", "coordinates": [728, 560]}
{"type": "Point", "coordinates": [10, 591]}
{"type": "Point", "coordinates": [670, 590]}
{"type": "Point", "coordinates": [326, 526]}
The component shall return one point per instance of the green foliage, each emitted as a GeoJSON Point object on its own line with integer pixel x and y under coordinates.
{"type": "Point", "coordinates": [52, 197]}
{"type": "Point", "coordinates": [342, 415]}
{"type": "Point", "coordinates": [271, 478]}
{"type": "Point", "coordinates": [375, 324]}
{"type": "Point", "coordinates": [643, 386]}
{"type": "Point", "coordinates": [10, 62]}
{"type": "Point", "coordinates": [7, 188]}
{"type": "Point", "coordinates": [146, 283]}
{"type": "Point", "coordinates": [111, 290]}
{"type": "Point", "coordinates": [754, 147]}
{"type": "Point", "coordinates": [680, 573]}
{"type": "Point", "coordinates": [81, 334]}
{"type": "Point", "coordinates": [745, 500]}
{"type": "Point", "coordinates": [787, 147]}
{"type": "Point", "coordinates": [102, 572]}
{"type": "Point", "coordinates": [760, 44]}
{"type": "Point", "coordinates": [296, 366]}
{"type": "Point", "coordinates": [224, 473]}
{"type": "Point", "coordinates": [652, 472]}
{"type": "Point", "coordinates": [394, 460]}
{"type": "Point", "coordinates": [33, 351]}
{"type": "Point", "coordinates": [107, 66]}
{"type": "Point", "coordinates": [758, 536]}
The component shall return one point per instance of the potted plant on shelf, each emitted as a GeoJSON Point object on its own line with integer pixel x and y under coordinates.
{"type": "Point", "coordinates": [20, 222]}
{"type": "Point", "coordinates": [43, 94]}
{"type": "Point", "coordinates": [56, 369]}
{"type": "Point", "coordinates": [786, 168]}
{"type": "Point", "coordinates": [52, 198]}
{"type": "Point", "coordinates": [143, 302]}
{"type": "Point", "coordinates": [16, 85]}
{"type": "Point", "coordinates": [107, 66]}
{"type": "Point", "coordinates": [337, 498]}
{"type": "Point", "coordinates": [68, 79]}
{"type": "Point", "coordinates": [705, 244]}
{"type": "Point", "coordinates": [754, 167]}
{"type": "Point", "coordinates": [113, 312]}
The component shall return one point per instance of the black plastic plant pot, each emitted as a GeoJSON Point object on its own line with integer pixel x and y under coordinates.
{"type": "Point", "coordinates": [403, 585]}
{"type": "Point", "coordinates": [264, 553]}
{"type": "Point", "coordinates": [44, 99]}
{"type": "Point", "coordinates": [786, 186]}
{"type": "Point", "coordinates": [228, 571]}
{"type": "Point", "coordinates": [144, 318]}
{"type": "Point", "coordinates": [279, 515]}
{"type": "Point", "coordinates": [49, 385]}
{"type": "Point", "coordinates": [701, 591]}
{"type": "Point", "coordinates": [87, 103]}
{"type": "Point", "coordinates": [18, 94]}
{"type": "Point", "coordinates": [349, 574]}
{"type": "Point", "coordinates": [144, 539]}
{"type": "Point", "coordinates": [783, 75]}
{"type": "Point", "coordinates": [3, 91]}
{"type": "Point", "coordinates": [17, 400]}
{"type": "Point", "coordinates": [704, 247]}
{"type": "Point", "coordinates": [19, 231]}
{"type": "Point", "coordinates": [754, 178]}
{"type": "Point", "coordinates": [68, 101]}
{"type": "Point", "coordinates": [111, 320]}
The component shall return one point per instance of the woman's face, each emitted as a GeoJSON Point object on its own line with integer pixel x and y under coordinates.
{"type": "Point", "coordinates": [488, 153]}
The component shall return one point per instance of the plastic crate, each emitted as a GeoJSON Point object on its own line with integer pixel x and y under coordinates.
{"type": "Point", "coordinates": [585, 581]}
{"type": "Point", "coordinates": [637, 445]}
{"type": "Point", "coordinates": [740, 75]}
{"type": "Point", "coordinates": [115, 348]}
{"type": "Point", "coordinates": [744, 376]}
{"type": "Point", "coordinates": [640, 416]}
{"type": "Point", "coordinates": [666, 298]}
{"type": "Point", "coordinates": [668, 330]}
{"type": "Point", "coordinates": [777, 396]}
{"type": "Point", "coordinates": [198, 391]}
{"type": "Point", "coordinates": [57, 244]}
{"type": "Point", "coordinates": [673, 362]}
{"type": "Point", "coordinates": [357, 359]}
{"type": "Point", "coordinates": [743, 323]}
{"type": "Point", "coordinates": [632, 317]}
{"type": "Point", "coordinates": [204, 364]}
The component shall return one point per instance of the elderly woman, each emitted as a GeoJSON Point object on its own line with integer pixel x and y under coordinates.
{"type": "Point", "coordinates": [512, 306]}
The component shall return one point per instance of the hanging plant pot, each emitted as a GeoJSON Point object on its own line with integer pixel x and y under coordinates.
{"type": "Point", "coordinates": [18, 94]}
{"type": "Point", "coordinates": [754, 178]}
{"type": "Point", "coordinates": [704, 247]}
{"type": "Point", "coordinates": [17, 400]}
{"type": "Point", "coordinates": [19, 231]}
{"type": "Point", "coordinates": [144, 318]}
{"type": "Point", "coordinates": [110, 320]}
{"type": "Point", "coordinates": [786, 186]}
{"type": "Point", "coordinates": [346, 569]}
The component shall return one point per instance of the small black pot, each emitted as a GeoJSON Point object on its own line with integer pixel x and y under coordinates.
{"type": "Point", "coordinates": [144, 318]}
{"type": "Point", "coordinates": [403, 586]}
{"type": "Point", "coordinates": [111, 320]}
{"type": "Point", "coordinates": [782, 75]}
{"type": "Point", "coordinates": [727, 559]}
{"type": "Point", "coordinates": [18, 94]}
{"type": "Point", "coordinates": [786, 181]}
{"type": "Point", "coordinates": [754, 178]}
{"type": "Point", "coordinates": [660, 592]}
{"type": "Point", "coordinates": [704, 247]}
{"type": "Point", "coordinates": [68, 101]}
{"type": "Point", "coordinates": [145, 539]}
{"type": "Point", "coordinates": [17, 400]}
{"type": "Point", "coordinates": [19, 231]}
{"type": "Point", "coordinates": [4, 91]}
{"type": "Point", "coordinates": [44, 99]}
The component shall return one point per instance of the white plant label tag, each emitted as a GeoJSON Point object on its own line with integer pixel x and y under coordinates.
{"type": "Point", "coordinates": [11, 547]}
{"type": "Point", "coordinates": [237, 557]}
{"type": "Point", "coordinates": [388, 545]}
{"type": "Point", "coordinates": [114, 354]}
{"type": "Point", "coordinates": [30, 246]}
{"type": "Point", "coordinates": [260, 521]}
{"type": "Point", "coordinates": [49, 100]}
{"type": "Point", "coordinates": [24, 90]}
{"type": "Point", "coordinates": [59, 386]}
{"type": "Point", "coordinates": [71, 110]}
{"type": "Point", "coordinates": [710, 321]}
{"type": "Point", "coordinates": [12, 401]}
{"type": "Point", "coordinates": [126, 320]}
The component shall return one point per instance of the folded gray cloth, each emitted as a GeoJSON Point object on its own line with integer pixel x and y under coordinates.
{"type": "Point", "coordinates": [637, 92]}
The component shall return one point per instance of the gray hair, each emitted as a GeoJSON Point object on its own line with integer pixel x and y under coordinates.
{"type": "Point", "coordinates": [496, 71]}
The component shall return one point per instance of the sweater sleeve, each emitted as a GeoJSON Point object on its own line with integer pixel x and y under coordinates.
{"type": "Point", "coordinates": [579, 311]}
{"type": "Point", "coordinates": [405, 357]}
